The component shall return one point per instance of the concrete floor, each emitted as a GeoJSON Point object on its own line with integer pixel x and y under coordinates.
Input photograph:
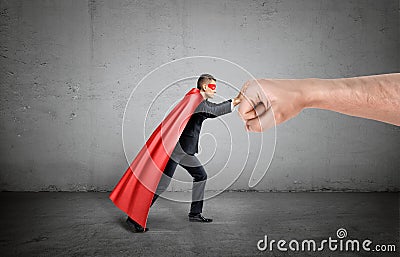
{"type": "Point", "coordinates": [88, 224]}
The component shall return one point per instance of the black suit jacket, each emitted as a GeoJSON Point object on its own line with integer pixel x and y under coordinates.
{"type": "Point", "coordinates": [189, 139]}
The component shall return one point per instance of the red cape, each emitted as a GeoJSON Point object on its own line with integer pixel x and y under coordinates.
{"type": "Point", "coordinates": [134, 192]}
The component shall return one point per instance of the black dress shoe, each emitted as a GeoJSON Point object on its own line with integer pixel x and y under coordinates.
{"type": "Point", "coordinates": [199, 218]}
{"type": "Point", "coordinates": [136, 228]}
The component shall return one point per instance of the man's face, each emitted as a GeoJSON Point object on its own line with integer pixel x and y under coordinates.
{"type": "Point", "coordinates": [210, 88]}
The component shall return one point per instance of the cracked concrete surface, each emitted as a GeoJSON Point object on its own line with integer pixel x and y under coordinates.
{"type": "Point", "coordinates": [88, 224]}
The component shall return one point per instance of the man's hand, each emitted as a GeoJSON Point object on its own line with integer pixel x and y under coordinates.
{"type": "Point", "coordinates": [237, 99]}
{"type": "Point", "coordinates": [269, 102]}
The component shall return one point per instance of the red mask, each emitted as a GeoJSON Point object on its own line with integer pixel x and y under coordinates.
{"type": "Point", "coordinates": [212, 86]}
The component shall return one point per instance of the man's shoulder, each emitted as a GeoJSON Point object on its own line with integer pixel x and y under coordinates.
{"type": "Point", "coordinates": [202, 104]}
{"type": "Point", "coordinates": [208, 103]}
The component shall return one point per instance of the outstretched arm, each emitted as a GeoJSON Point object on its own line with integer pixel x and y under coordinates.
{"type": "Point", "coordinates": [374, 97]}
{"type": "Point", "coordinates": [212, 110]}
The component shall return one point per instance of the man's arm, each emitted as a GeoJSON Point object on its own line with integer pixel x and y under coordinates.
{"type": "Point", "coordinates": [373, 97]}
{"type": "Point", "coordinates": [213, 110]}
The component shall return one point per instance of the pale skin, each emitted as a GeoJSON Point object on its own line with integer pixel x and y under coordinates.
{"type": "Point", "coordinates": [207, 92]}
{"type": "Point", "coordinates": [266, 102]}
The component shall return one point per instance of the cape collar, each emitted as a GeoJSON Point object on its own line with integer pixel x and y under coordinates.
{"type": "Point", "coordinates": [193, 91]}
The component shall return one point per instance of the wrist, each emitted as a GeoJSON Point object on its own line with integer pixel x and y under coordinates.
{"type": "Point", "coordinates": [313, 92]}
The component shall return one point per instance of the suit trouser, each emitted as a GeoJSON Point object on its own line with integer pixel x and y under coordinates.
{"type": "Point", "coordinates": [195, 169]}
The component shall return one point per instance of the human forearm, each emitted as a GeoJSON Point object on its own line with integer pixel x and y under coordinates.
{"type": "Point", "coordinates": [373, 97]}
{"type": "Point", "coordinates": [213, 110]}
{"type": "Point", "coordinates": [269, 102]}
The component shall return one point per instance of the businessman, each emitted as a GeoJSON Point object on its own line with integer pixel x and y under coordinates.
{"type": "Point", "coordinates": [187, 147]}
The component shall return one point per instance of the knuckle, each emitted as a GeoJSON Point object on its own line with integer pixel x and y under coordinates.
{"type": "Point", "coordinates": [279, 117]}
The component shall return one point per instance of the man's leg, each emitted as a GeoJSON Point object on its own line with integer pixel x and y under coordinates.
{"type": "Point", "coordinates": [162, 185]}
{"type": "Point", "coordinates": [165, 179]}
{"type": "Point", "coordinates": [197, 171]}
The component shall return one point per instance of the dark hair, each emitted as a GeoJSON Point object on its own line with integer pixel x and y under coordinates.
{"type": "Point", "coordinates": [203, 78]}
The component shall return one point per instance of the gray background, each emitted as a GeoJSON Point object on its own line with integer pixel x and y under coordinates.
{"type": "Point", "coordinates": [68, 68]}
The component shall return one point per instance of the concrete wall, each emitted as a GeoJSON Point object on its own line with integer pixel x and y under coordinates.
{"type": "Point", "coordinates": [68, 68]}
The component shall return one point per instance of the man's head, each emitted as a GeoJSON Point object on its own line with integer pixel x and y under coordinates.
{"type": "Point", "coordinates": [207, 84]}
